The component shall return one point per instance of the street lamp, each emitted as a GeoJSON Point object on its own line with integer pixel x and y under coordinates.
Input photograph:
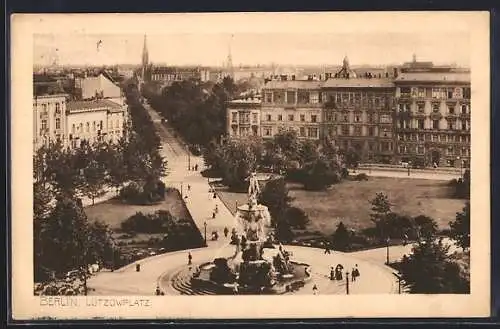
{"type": "Point", "coordinates": [458, 159]}
{"type": "Point", "coordinates": [347, 283]}
{"type": "Point", "coordinates": [387, 254]}
{"type": "Point", "coordinates": [205, 224]}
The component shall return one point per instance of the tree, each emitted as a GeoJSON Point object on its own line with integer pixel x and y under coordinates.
{"type": "Point", "coordinates": [352, 158]}
{"type": "Point", "coordinates": [94, 175]}
{"type": "Point", "coordinates": [308, 152]}
{"type": "Point", "coordinates": [42, 197]}
{"type": "Point", "coordinates": [381, 209]}
{"type": "Point", "coordinates": [274, 195]}
{"type": "Point", "coordinates": [296, 217]}
{"type": "Point", "coordinates": [239, 160]}
{"type": "Point", "coordinates": [460, 228]}
{"type": "Point", "coordinates": [429, 270]}
{"type": "Point", "coordinates": [319, 175]}
{"type": "Point", "coordinates": [341, 238]}
{"type": "Point", "coordinates": [426, 227]}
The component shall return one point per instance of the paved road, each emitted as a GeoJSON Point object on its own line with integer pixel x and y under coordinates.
{"type": "Point", "coordinates": [375, 277]}
{"type": "Point", "coordinates": [404, 174]}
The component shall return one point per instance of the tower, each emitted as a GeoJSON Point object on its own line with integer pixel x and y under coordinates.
{"type": "Point", "coordinates": [145, 59]}
{"type": "Point", "coordinates": [229, 61]}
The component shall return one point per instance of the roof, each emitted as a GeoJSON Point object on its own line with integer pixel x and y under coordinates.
{"type": "Point", "coordinates": [103, 104]}
{"type": "Point", "coordinates": [434, 77]}
{"type": "Point", "coordinates": [293, 84]}
{"type": "Point", "coordinates": [358, 83]}
{"type": "Point", "coordinates": [43, 78]}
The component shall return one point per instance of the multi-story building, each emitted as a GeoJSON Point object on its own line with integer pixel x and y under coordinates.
{"type": "Point", "coordinates": [97, 110]}
{"type": "Point", "coordinates": [433, 114]}
{"type": "Point", "coordinates": [357, 113]}
{"type": "Point", "coordinates": [49, 119]}
{"type": "Point", "coordinates": [291, 105]}
{"type": "Point", "coordinates": [418, 111]}
{"type": "Point", "coordinates": [243, 118]}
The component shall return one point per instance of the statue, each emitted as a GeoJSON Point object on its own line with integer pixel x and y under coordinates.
{"type": "Point", "coordinates": [253, 189]}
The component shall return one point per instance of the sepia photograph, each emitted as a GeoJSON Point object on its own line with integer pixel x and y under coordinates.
{"type": "Point", "coordinates": [249, 168]}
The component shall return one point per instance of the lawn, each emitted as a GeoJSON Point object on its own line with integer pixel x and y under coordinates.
{"type": "Point", "coordinates": [349, 201]}
{"type": "Point", "coordinates": [113, 212]}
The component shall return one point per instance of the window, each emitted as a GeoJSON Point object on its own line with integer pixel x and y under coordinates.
{"type": "Point", "coordinates": [313, 118]}
{"type": "Point", "coordinates": [464, 125]}
{"type": "Point", "coordinates": [420, 108]}
{"type": "Point", "coordinates": [58, 123]}
{"type": "Point", "coordinates": [44, 107]}
{"type": "Point", "coordinates": [302, 117]}
{"type": "Point", "coordinates": [435, 107]}
{"type": "Point", "coordinates": [268, 97]}
{"type": "Point", "coordinates": [357, 131]}
{"type": "Point", "coordinates": [254, 117]}
{"type": "Point", "coordinates": [464, 108]}
{"type": "Point", "coordinates": [44, 125]}
{"type": "Point", "coordinates": [314, 98]}
{"type": "Point", "coordinates": [87, 127]}
{"type": "Point", "coordinates": [346, 118]}
{"type": "Point", "coordinates": [451, 125]}
{"type": "Point", "coordinates": [100, 125]}
{"type": "Point", "coordinates": [357, 118]}
{"type": "Point", "coordinates": [234, 117]}
{"type": "Point", "coordinates": [370, 118]}
{"type": "Point", "coordinates": [420, 149]}
{"type": "Point", "coordinates": [405, 92]}
{"type": "Point", "coordinates": [385, 118]}
{"type": "Point", "coordinates": [331, 131]}
{"type": "Point", "coordinates": [312, 132]}
{"type": "Point", "coordinates": [290, 97]}
{"type": "Point", "coordinates": [436, 92]}
{"type": "Point", "coordinates": [290, 117]}
{"type": "Point", "coordinates": [435, 124]}
{"type": "Point", "coordinates": [302, 132]}
{"type": "Point", "coordinates": [421, 92]}
{"type": "Point", "coordinates": [385, 133]}
{"type": "Point", "coordinates": [466, 93]}
{"type": "Point", "coordinates": [58, 108]}
{"type": "Point", "coordinates": [371, 131]}
{"type": "Point", "coordinates": [93, 126]}
{"type": "Point", "coordinates": [268, 117]}
{"type": "Point", "coordinates": [434, 138]}
{"type": "Point", "coordinates": [345, 130]}
{"type": "Point", "coordinates": [73, 128]}
{"type": "Point", "coordinates": [303, 97]}
{"type": "Point", "coordinates": [420, 124]}
{"type": "Point", "coordinates": [280, 117]}
{"type": "Point", "coordinates": [279, 97]}
{"type": "Point", "coordinates": [449, 93]}
{"type": "Point", "coordinates": [451, 109]}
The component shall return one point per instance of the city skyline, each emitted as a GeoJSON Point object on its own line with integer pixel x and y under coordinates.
{"type": "Point", "coordinates": [278, 48]}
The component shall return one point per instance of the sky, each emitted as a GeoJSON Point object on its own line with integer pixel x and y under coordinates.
{"type": "Point", "coordinates": [261, 43]}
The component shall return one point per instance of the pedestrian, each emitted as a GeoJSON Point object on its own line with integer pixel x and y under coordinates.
{"type": "Point", "coordinates": [213, 214]}
{"type": "Point", "coordinates": [190, 258]}
{"type": "Point", "coordinates": [355, 273]}
{"type": "Point", "coordinates": [315, 289]}
{"type": "Point", "coordinates": [189, 187]}
{"type": "Point", "coordinates": [327, 249]}
{"type": "Point", "coordinates": [235, 289]}
{"type": "Point", "coordinates": [157, 291]}
{"type": "Point", "coordinates": [215, 195]}
{"type": "Point", "coordinates": [332, 274]}
{"type": "Point", "coordinates": [196, 167]}
{"type": "Point", "coordinates": [226, 231]}
{"type": "Point", "coordinates": [216, 209]}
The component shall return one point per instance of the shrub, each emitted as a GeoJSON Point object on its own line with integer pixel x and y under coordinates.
{"type": "Point", "coordinates": [131, 192]}
{"type": "Point", "coordinates": [158, 222]}
{"type": "Point", "coordinates": [361, 177]}
{"type": "Point", "coordinates": [296, 217]}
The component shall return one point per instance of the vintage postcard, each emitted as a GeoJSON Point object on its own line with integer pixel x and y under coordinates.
{"type": "Point", "coordinates": [250, 165]}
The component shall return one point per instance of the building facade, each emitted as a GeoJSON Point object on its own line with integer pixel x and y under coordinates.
{"type": "Point", "coordinates": [96, 111]}
{"type": "Point", "coordinates": [418, 113]}
{"type": "Point", "coordinates": [433, 115]}
{"type": "Point", "coordinates": [243, 118]}
{"type": "Point", "coordinates": [291, 105]}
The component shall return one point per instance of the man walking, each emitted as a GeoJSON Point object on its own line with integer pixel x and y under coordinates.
{"type": "Point", "coordinates": [190, 258]}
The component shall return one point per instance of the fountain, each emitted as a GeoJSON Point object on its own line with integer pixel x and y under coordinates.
{"type": "Point", "coordinates": [258, 266]}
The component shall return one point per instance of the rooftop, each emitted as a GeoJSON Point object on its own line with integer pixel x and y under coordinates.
{"type": "Point", "coordinates": [77, 106]}
{"type": "Point", "coordinates": [358, 83]}
{"type": "Point", "coordinates": [434, 77]}
{"type": "Point", "coordinates": [293, 84]}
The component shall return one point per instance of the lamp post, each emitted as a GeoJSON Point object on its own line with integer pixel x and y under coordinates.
{"type": "Point", "coordinates": [458, 159]}
{"type": "Point", "coordinates": [205, 225]}
{"type": "Point", "coordinates": [347, 283]}
{"type": "Point", "coordinates": [387, 253]}
{"type": "Point", "coordinates": [189, 157]}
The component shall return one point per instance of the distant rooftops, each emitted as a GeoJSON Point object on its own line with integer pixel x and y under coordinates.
{"type": "Point", "coordinates": [461, 77]}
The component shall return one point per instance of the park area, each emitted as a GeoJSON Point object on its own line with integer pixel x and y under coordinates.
{"type": "Point", "coordinates": [349, 202]}
{"type": "Point", "coordinates": [141, 244]}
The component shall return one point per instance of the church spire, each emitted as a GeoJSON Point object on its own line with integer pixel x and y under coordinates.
{"type": "Point", "coordinates": [145, 57]}
{"type": "Point", "coordinates": [229, 62]}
